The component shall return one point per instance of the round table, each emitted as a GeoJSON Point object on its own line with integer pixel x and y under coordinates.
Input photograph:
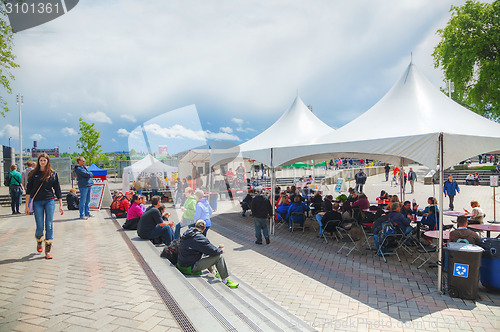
{"type": "Point", "coordinates": [487, 228]}
{"type": "Point", "coordinates": [435, 234]}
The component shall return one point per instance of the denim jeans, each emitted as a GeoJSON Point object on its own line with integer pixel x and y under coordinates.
{"type": "Point", "coordinates": [44, 215]}
{"type": "Point", "coordinates": [15, 193]}
{"type": "Point", "coordinates": [84, 201]}
{"type": "Point", "coordinates": [184, 222]}
{"type": "Point", "coordinates": [165, 233]}
{"type": "Point", "coordinates": [260, 224]}
{"type": "Point", "coordinates": [318, 218]}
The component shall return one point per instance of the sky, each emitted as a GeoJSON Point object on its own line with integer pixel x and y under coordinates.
{"type": "Point", "coordinates": [190, 71]}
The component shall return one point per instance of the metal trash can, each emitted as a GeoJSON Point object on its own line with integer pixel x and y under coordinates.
{"type": "Point", "coordinates": [490, 263]}
{"type": "Point", "coordinates": [463, 269]}
{"type": "Point", "coordinates": [212, 200]}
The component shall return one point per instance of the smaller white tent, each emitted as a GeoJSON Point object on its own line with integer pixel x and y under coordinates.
{"type": "Point", "coordinates": [145, 169]}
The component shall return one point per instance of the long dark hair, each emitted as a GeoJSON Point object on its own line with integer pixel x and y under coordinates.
{"type": "Point", "coordinates": [48, 169]}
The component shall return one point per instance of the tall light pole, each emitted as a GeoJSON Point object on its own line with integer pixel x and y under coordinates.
{"type": "Point", "coordinates": [20, 103]}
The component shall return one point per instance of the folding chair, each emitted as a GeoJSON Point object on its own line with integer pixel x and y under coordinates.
{"type": "Point", "coordinates": [299, 218]}
{"type": "Point", "coordinates": [281, 221]}
{"type": "Point", "coordinates": [331, 227]}
{"type": "Point", "coordinates": [388, 240]}
{"type": "Point", "coordinates": [366, 228]}
{"type": "Point", "coordinates": [346, 239]}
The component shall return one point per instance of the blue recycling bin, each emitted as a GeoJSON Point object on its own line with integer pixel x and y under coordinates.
{"type": "Point", "coordinates": [464, 261]}
{"type": "Point", "coordinates": [490, 263]}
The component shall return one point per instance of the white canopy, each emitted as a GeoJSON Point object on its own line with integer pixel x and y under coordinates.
{"type": "Point", "coordinates": [144, 169]}
{"type": "Point", "coordinates": [406, 124]}
{"type": "Point", "coordinates": [297, 125]}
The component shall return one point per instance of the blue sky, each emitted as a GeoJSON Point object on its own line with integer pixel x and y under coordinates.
{"type": "Point", "coordinates": [222, 70]}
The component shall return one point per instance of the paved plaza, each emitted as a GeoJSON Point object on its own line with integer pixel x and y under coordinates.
{"type": "Point", "coordinates": [97, 282]}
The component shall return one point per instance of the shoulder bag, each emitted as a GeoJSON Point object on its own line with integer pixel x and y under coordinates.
{"type": "Point", "coordinates": [30, 204]}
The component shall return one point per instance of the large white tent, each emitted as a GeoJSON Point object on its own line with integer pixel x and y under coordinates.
{"type": "Point", "coordinates": [297, 125]}
{"type": "Point", "coordinates": [144, 169]}
{"type": "Point", "coordinates": [407, 123]}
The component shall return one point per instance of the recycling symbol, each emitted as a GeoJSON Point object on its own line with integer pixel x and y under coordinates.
{"type": "Point", "coordinates": [461, 270]}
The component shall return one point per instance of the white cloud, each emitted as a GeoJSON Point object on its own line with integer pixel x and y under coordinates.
{"type": "Point", "coordinates": [128, 117]}
{"type": "Point", "coordinates": [10, 131]}
{"type": "Point", "coordinates": [238, 121]}
{"type": "Point", "coordinates": [175, 131]}
{"type": "Point", "coordinates": [178, 132]}
{"type": "Point", "coordinates": [122, 132]}
{"type": "Point", "coordinates": [37, 137]}
{"type": "Point", "coordinates": [244, 130]}
{"type": "Point", "coordinates": [67, 131]}
{"type": "Point", "coordinates": [98, 117]}
{"type": "Point", "coordinates": [221, 136]}
{"type": "Point", "coordinates": [228, 130]}
{"type": "Point", "coordinates": [113, 140]}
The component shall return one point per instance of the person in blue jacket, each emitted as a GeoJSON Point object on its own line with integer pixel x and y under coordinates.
{"type": "Point", "coordinates": [296, 206]}
{"type": "Point", "coordinates": [450, 188]}
{"type": "Point", "coordinates": [84, 179]}
{"type": "Point", "coordinates": [203, 210]}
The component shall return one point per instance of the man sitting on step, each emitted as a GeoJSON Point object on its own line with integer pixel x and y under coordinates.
{"type": "Point", "coordinates": [193, 245]}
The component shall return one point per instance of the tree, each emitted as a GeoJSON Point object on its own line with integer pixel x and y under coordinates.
{"type": "Point", "coordinates": [88, 142]}
{"type": "Point", "coordinates": [468, 54]}
{"type": "Point", "coordinates": [6, 60]}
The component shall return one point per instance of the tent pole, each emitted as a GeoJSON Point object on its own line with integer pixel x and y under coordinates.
{"type": "Point", "coordinates": [273, 184]}
{"type": "Point", "coordinates": [401, 180]}
{"type": "Point", "coordinates": [441, 205]}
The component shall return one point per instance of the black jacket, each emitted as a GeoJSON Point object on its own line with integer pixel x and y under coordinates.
{"type": "Point", "coordinates": [360, 178]}
{"type": "Point", "coordinates": [193, 245]}
{"type": "Point", "coordinates": [72, 201]}
{"type": "Point", "coordinates": [49, 189]}
{"type": "Point", "coordinates": [148, 221]}
{"type": "Point", "coordinates": [261, 207]}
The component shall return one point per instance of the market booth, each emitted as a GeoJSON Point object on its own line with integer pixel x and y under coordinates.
{"type": "Point", "coordinates": [99, 173]}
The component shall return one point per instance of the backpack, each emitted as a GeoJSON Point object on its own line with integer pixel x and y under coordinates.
{"type": "Point", "coordinates": [388, 228]}
{"type": "Point", "coordinates": [116, 205]}
{"type": "Point", "coordinates": [171, 252]}
{"type": "Point", "coordinates": [7, 180]}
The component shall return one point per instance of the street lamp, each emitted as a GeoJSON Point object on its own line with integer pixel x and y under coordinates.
{"type": "Point", "coordinates": [20, 103]}
{"type": "Point", "coordinates": [9, 141]}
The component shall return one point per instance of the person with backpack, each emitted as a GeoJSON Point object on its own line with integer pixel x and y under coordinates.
{"type": "Point", "coordinates": [450, 188]}
{"type": "Point", "coordinates": [399, 220]}
{"type": "Point", "coordinates": [121, 204]}
{"type": "Point", "coordinates": [196, 253]}
{"type": "Point", "coordinates": [151, 224]}
{"type": "Point", "coordinates": [15, 190]}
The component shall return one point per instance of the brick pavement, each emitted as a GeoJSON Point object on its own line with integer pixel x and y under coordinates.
{"type": "Point", "coordinates": [93, 283]}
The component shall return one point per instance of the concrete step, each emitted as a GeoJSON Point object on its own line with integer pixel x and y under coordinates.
{"type": "Point", "coordinates": [206, 301]}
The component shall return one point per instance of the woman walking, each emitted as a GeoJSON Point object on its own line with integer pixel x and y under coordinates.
{"type": "Point", "coordinates": [43, 187]}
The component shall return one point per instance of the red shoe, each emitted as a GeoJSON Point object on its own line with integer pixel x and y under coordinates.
{"type": "Point", "coordinates": [39, 244]}
{"type": "Point", "coordinates": [48, 246]}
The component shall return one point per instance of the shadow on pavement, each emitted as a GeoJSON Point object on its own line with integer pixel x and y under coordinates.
{"type": "Point", "coordinates": [30, 257]}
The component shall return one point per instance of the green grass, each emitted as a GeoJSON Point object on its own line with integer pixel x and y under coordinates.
{"type": "Point", "coordinates": [482, 168]}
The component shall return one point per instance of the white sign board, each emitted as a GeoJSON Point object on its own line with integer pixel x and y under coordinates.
{"type": "Point", "coordinates": [494, 181]}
